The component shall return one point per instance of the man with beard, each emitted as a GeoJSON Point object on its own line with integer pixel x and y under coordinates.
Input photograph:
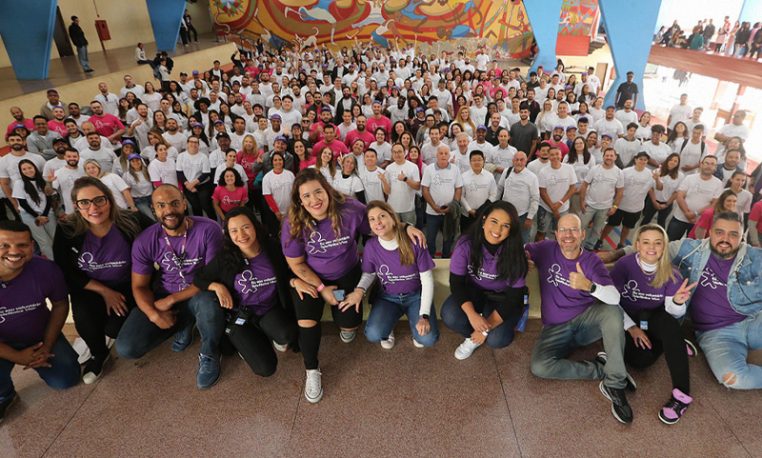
{"type": "Point", "coordinates": [524, 134]}
{"type": "Point", "coordinates": [105, 157]}
{"type": "Point", "coordinates": [557, 140]}
{"type": "Point", "coordinates": [53, 101]}
{"type": "Point", "coordinates": [727, 300]}
{"type": "Point", "coordinates": [18, 118]}
{"type": "Point", "coordinates": [60, 145]}
{"type": "Point", "coordinates": [9, 165]}
{"type": "Point", "coordinates": [580, 305]}
{"type": "Point", "coordinates": [40, 141]}
{"type": "Point", "coordinates": [179, 245]}
{"type": "Point", "coordinates": [30, 334]}
{"type": "Point", "coordinates": [106, 124]}
{"type": "Point", "coordinates": [64, 178]}
{"type": "Point", "coordinates": [360, 133]}
{"type": "Point", "coordinates": [76, 115]}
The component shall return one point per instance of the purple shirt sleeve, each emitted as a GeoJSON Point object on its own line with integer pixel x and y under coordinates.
{"type": "Point", "coordinates": [142, 261]}
{"type": "Point", "coordinates": [292, 248]}
{"type": "Point", "coordinates": [459, 258]}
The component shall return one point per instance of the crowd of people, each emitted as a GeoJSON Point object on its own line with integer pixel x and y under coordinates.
{"type": "Point", "coordinates": [243, 202]}
{"type": "Point", "coordinates": [739, 39]}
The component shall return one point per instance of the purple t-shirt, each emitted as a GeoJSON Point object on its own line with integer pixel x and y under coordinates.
{"type": "Point", "coordinates": [176, 266]}
{"type": "Point", "coordinates": [487, 276]}
{"type": "Point", "coordinates": [394, 277]}
{"type": "Point", "coordinates": [331, 257]}
{"type": "Point", "coordinates": [106, 259]}
{"type": "Point", "coordinates": [710, 308]}
{"type": "Point", "coordinates": [256, 287]}
{"type": "Point", "coordinates": [24, 314]}
{"type": "Point", "coordinates": [560, 302]}
{"type": "Point", "coordinates": [635, 288]}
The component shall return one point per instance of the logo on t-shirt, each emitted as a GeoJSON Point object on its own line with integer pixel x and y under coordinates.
{"type": "Point", "coordinates": [315, 243]}
{"type": "Point", "coordinates": [710, 279]}
{"type": "Point", "coordinates": [248, 282]}
{"type": "Point", "coordinates": [170, 262]}
{"type": "Point", "coordinates": [630, 290]}
{"type": "Point", "coordinates": [386, 276]}
{"type": "Point", "coordinates": [555, 277]}
{"type": "Point", "coordinates": [87, 263]}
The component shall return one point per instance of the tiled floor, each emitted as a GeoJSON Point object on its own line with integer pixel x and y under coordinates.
{"type": "Point", "coordinates": [403, 402]}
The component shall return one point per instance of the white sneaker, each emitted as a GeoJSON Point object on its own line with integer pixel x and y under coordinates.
{"type": "Point", "coordinates": [313, 387]}
{"type": "Point", "coordinates": [417, 344]}
{"type": "Point", "coordinates": [348, 336]}
{"type": "Point", "coordinates": [388, 343]}
{"type": "Point", "coordinates": [466, 349]}
{"type": "Point", "coordinates": [279, 347]}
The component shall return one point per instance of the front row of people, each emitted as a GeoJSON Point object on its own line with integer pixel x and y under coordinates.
{"type": "Point", "coordinates": [237, 285]}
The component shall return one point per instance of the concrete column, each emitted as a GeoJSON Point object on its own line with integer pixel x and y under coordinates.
{"type": "Point", "coordinates": [544, 17]}
{"type": "Point", "coordinates": [165, 20]}
{"type": "Point", "coordinates": [27, 31]}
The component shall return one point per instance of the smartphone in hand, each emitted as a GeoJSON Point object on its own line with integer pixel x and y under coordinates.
{"type": "Point", "coordinates": [339, 294]}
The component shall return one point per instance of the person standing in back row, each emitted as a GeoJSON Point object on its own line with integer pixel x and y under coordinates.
{"type": "Point", "coordinates": [78, 38]}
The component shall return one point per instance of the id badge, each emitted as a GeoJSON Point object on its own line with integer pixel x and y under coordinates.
{"type": "Point", "coordinates": [644, 325]}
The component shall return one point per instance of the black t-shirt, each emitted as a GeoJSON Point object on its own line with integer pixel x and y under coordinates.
{"type": "Point", "coordinates": [522, 136]}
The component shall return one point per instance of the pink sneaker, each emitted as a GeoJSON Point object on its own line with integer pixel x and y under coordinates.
{"type": "Point", "coordinates": [690, 348]}
{"type": "Point", "coordinates": [675, 407]}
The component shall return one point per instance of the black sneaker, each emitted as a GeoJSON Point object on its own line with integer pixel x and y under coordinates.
{"type": "Point", "coordinates": [601, 359]}
{"type": "Point", "coordinates": [620, 408]}
{"type": "Point", "coordinates": [598, 245]}
{"type": "Point", "coordinates": [5, 405]}
{"type": "Point", "coordinates": [94, 369]}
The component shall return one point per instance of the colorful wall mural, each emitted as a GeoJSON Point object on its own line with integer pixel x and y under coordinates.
{"type": "Point", "coordinates": [578, 17]}
{"type": "Point", "coordinates": [501, 23]}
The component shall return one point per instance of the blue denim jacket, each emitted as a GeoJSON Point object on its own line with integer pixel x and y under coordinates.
{"type": "Point", "coordinates": [744, 282]}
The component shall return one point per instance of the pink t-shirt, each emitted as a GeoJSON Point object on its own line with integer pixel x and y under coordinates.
{"type": "Point", "coordinates": [229, 200]}
{"type": "Point", "coordinates": [704, 221]}
{"type": "Point", "coordinates": [756, 215]}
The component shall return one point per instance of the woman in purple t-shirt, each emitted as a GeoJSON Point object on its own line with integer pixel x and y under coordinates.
{"type": "Point", "coordinates": [487, 280]}
{"type": "Point", "coordinates": [249, 277]}
{"type": "Point", "coordinates": [405, 271]}
{"type": "Point", "coordinates": [319, 239]}
{"type": "Point", "coordinates": [653, 300]}
{"type": "Point", "coordinates": [93, 247]}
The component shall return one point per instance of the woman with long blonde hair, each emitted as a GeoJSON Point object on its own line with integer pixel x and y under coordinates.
{"type": "Point", "coordinates": [463, 119]}
{"type": "Point", "coordinates": [653, 297]}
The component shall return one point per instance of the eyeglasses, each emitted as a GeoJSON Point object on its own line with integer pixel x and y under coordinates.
{"type": "Point", "coordinates": [84, 204]}
{"type": "Point", "coordinates": [568, 230]}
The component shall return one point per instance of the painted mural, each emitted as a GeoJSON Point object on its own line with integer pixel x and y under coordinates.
{"type": "Point", "coordinates": [578, 17]}
{"type": "Point", "coordinates": [501, 23]}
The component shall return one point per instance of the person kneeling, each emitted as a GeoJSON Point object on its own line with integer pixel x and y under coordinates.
{"type": "Point", "coordinates": [244, 276]}
{"type": "Point", "coordinates": [30, 334]}
{"type": "Point", "coordinates": [407, 281]}
{"type": "Point", "coordinates": [487, 280]}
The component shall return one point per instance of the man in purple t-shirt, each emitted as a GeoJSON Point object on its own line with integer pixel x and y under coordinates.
{"type": "Point", "coordinates": [30, 334]}
{"type": "Point", "coordinates": [179, 245]}
{"type": "Point", "coordinates": [579, 307]}
{"type": "Point", "coordinates": [726, 305]}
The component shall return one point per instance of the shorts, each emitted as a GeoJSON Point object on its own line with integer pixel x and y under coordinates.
{"type": "Point", "coordinates": [626, 219]}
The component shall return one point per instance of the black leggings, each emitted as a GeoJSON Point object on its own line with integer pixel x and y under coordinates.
{"type": "Point", "coordinates": [201, 201]}
{"type": "Point", "coordinates": [92, 321]}
{"type": "Point", "coordinates": [666, 337]}
{"type": "Point", "coordinates": [311, 308]}
{"type": "Point", "coordinates": [253, 339]}
{"type": "Point", "coordinates": [649, 211]}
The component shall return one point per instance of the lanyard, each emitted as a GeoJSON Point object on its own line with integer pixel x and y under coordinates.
{"type": "Point", "coordinates": [179, 259]}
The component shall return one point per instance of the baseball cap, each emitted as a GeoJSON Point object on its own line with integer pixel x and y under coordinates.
{"type": "Point", "coordinates": [275, 117]}
{"type": "Point", "coordinates": [55, 140]}
{"type": "Point", "coordinates": [128, 142]}
{"type": "Point", "coordinates": [281, 138]}
{"type": "Point", "coordinates": [481, 127]}
{"type": "Point", "coordinates": [133, 156]}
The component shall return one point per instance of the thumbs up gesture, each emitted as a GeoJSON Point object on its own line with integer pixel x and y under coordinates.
{"type": "Point", "coordinates": [578, 280]}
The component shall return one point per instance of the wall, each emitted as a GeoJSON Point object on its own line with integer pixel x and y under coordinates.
{"type": "Point", "coordinates": [689, 12]}
{"type": "Point", "coordinates": [128, 22]}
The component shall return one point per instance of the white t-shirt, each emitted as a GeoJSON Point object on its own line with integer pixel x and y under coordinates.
{"type": "Point", "coordinates": [9, 165]}
{"type": "Point", "coordinates": [556, 182]}
{"type": "Point", "coordinates": [238, 168]}
{"type": "Point", "coordinates": [536, 165]}
{"type": "Point", "coordinates": [581, 168]}
{"type": "Point", "coordinates": [657, 152]}
{"type": "Point", "coordinates": [279, 186]}
{"type": "Point", "coordinates": [116, 184]}
{"type": "Point", "coordinates": [743, 204]}
{"type": "Point", "coordinates": [349, 185]}
{"type": "Point", "coordinates": [699, 194]}
{"type": "Point", "coordinates": [477, 189]}
{"type": "Point", "coordinates": [522, 190]}
{"type": "Point", "coordinates": [625, 117]}
{"type": "Point", "coordinates": [383, 151]}
{"type": "Point", "coordinates": [192, 165]}
{"type": "Point", "coordinates": [731, 130]}
{"type": "Point", "coordinates": [164, 172]}
{"type": "Point", "coordinates": [690, 155]}
{"type": "Point", "coordinates": [401, 196]}
{"type": "Point", "coordinates": [612, 127]}
{"type": "Point", "coordinates": [602, 184]}
{"type": "Point", "coordinates": [679, 113]}
{"type": "Point", "coordinates": [149, 153]}
{"type": "Point", "coordinates": [442, 184]}
{"type": "Point", "coordinates": [105, 158]}
{"type": "Point", "coordinates": [51, 166]}
{"type": "Point", "coordinates": [64, 183]}
{"type": "Point", "coordinates": [374, 189]}
{"type": "Point", "coordinates": [627, 149]}
{"type": "Point", "coordinates": [669, 186]}
{"type": "Point", "coordinates": [20, 193]}
{"type": "Point", "coordinates": [636, 187]}
{"type": "Point", "coordinates": [141, 187]}
{"type": "Point", "coordinates": [178, 140]}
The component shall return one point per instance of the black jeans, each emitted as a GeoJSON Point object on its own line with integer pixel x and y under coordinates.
{"type": "Point", "coordinates": [677, 229]}
{"type": "Point", "coordinates": [201, 200]}
{"type": "Point", "coordinates": [253, 340]}
{"type": "Point", "coordinates": [666, 337]}
{"type": "Point", "coordinates": [93, 322]}
{"type": "Point", "coordinates": [649, 211]}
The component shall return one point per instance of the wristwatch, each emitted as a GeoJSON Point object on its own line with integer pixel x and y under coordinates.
{"type": "Point", "coordinates": [593, 288]}
{"type": "Point", "coordinates": [425, 317]}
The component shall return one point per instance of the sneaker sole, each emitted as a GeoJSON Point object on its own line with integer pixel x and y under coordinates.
{"type": "Point", "coordinates": [97, 377]}
{"type": "Point", "coordinates": [602, 358]}
{"type": "Point", "coordinates": [693, 351]}
{"type": "Point", "coordinates": [347, 340]}
{"type": "Point", "coordinates": [613, 411]}
{"type": "Point", "coordinates": [666, 421]}
{"type": "Point", "coordinates": [462, 357]}
{"type": "Point", "coordinates": [210, 385]}
{"type": "Point", "coordinates": [314, 400]}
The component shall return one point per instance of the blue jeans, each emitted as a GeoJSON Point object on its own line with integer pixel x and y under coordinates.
{"type": "Point", "coordinates": [727, 348]}
{"type": "Point", "coordinates": [557, 341]}
{"type": "Point", "coordinates": [389, 308]}
{"type": "Point", "coordinates": [64, 371]}
{"type": "Point", "coordinates": [139, 335]}
{"type": "Point", "coordinates": [525, 233]}
{"type": "Point", "coordinates": [144, 205]}
{"type": "Point", "coordinates": [434, 224]}
{"type": "Point", "coordinates": [82, 55]}
{"type": "Point", "coordinates": [456, 319]}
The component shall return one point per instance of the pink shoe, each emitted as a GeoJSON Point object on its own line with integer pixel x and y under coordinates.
{"type": "Point", "coordinates": [675, 407]}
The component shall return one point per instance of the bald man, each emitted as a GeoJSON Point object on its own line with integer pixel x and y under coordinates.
{"type": "Point", "coordinates": [579, 307]}
{"type": "Point", "coordinates": [179, 245]}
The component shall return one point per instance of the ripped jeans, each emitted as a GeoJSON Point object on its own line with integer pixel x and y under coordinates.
{"type": "Point", "coordinates": [727, 350]}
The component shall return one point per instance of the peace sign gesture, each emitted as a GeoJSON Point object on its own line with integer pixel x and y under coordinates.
{"type": "Point", "coordinates": [682, 295]}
